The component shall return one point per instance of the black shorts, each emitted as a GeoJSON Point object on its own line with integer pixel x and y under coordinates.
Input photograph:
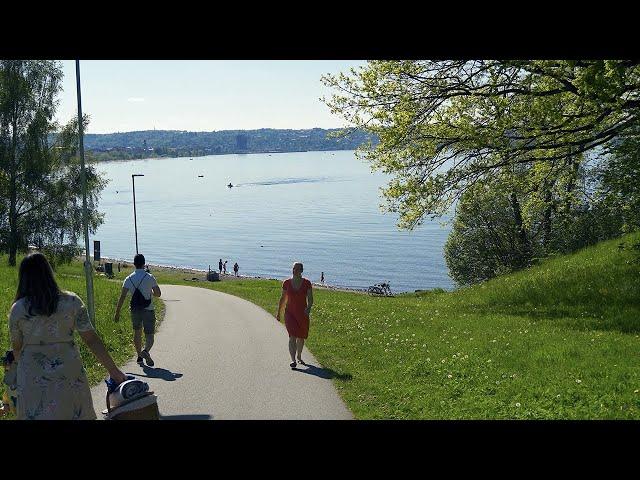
{"type": "Point", "coordinates": [144, 318]}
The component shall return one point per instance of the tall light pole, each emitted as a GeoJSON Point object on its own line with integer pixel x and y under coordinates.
{"type": "Point", "coordinates": [85, 214]}
{"type": "Point", "coordinates": [135, 221]}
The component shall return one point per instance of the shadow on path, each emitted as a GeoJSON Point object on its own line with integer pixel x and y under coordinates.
{"type": "Point", "coordinates": [186, 417]}
{"type": "Point", "coordinates": [322, 372]}
{"type": "Point", "coordinates": [161, 373]}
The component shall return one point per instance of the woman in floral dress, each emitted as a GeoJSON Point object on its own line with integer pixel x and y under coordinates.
{"type": "Point", "coordinates": [52, 383]}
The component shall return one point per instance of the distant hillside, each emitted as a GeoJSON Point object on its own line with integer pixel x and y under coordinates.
{"type": "Point", "coordinates": [173, 143]}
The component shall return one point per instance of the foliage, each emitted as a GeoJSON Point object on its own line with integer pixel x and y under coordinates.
{"type": "Point", "coordinates": [446, 125]}
{"type": "Point", "coordinates": [485, 240]}
{"type": "Point", "coordinates": [40, 181]}
{"type": "Point", "coordinates": [519, 134]}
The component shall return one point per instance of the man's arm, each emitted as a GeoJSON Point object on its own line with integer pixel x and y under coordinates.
{"type": "Point", "coordinates": [156, 291]}
{"type": "Point", "coordinates": [123, 295]}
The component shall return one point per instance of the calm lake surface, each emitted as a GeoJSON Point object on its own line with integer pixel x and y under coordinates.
{"type": "Point", "coordinates": [321, 208]}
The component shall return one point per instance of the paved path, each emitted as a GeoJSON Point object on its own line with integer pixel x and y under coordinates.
{"type": "Point", "coordinates": [221, 357]}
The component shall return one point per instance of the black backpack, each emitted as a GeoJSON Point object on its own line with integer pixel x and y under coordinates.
{"type": "Point", "coordinates": [138, 302]}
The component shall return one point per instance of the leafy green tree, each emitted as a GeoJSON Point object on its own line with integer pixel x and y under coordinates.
{"type": "Point", "coordinates": [40, 183]}
{"type": "Point", "coordinates": [486, 238]}
{"type": "Point", "coordinates": [619, 188]}
{"type": "Point", "coordinates": [446, 125]}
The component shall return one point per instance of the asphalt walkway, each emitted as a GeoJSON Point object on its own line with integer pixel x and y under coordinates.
{"type": "Point", "coordinates": [218, 356]}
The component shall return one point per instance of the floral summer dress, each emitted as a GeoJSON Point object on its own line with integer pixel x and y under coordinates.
{"type": "Point", "coordinates": [52, 383]}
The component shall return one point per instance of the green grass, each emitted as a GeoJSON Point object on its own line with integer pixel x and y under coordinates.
{"type": "Point", "coordinates": [118, 337]}
{"type": "Point", "coordinates": [558, 341]}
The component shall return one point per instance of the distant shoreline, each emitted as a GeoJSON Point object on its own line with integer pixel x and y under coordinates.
{"type": "Point", "coordinates": [102, 160]}
{"type": "Point", "coordinates": [223, 277]}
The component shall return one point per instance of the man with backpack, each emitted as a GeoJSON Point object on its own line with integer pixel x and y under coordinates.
{"type": "Point", "coordinates": [142, 286]}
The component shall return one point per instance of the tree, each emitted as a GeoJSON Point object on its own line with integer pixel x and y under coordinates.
{"type": "Point", "coordinates": [40, 183]}
{"type": "Point", "coordinates": [445, 126]}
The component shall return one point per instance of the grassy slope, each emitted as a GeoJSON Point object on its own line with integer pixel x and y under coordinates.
{"type": "Point", "coordinates": [560, 340]}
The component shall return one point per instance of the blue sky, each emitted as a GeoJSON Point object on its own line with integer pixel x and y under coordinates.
{"type": "Point", "coordinates": [202, 95]}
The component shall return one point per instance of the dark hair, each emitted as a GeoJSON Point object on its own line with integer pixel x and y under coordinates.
{"type": "Point", "coordinates": [139, 260]}
{"type": "Point", "coordinates": [37, 284]}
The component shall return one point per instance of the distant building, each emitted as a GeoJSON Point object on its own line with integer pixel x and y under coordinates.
{"type": "Point", "coordinates": [241, 141]}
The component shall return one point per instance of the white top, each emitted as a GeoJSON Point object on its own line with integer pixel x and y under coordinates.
{"type": "Point", "coordinates": [144, 282]}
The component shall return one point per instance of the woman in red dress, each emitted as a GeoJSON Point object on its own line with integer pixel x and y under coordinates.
{"type": "Point", "coordinates": [296, 292]}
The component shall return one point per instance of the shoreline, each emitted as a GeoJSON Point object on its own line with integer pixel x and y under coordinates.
{"type": "Point", "coordinates": [215, 155]}
{"type": "Point", "coordinates": [223, 277]}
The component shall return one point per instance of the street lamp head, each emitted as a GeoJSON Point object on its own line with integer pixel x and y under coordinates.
{"type": "Point", "coordinates": [137, 174]}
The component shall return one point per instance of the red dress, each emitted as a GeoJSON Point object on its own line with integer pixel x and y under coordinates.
{"type": "Point", "coordinates": [296, 321]}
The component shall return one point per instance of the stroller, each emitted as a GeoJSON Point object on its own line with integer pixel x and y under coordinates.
{"type": "Point", "coordinates": [130, 400]}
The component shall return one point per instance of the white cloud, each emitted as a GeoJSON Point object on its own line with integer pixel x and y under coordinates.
{"type": "Point", "coordinates": [135, 99]}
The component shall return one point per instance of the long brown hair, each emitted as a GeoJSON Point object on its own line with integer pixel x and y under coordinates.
{"type": "Point", "coordinates": [37, 284]}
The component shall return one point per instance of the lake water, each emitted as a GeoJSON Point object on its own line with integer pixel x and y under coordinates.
{"type": "Point", "coordinates": [321, 208]}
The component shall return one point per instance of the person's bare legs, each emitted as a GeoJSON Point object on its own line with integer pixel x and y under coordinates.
{"type": "Point", "coordinates": [137, 340]}
{"type": "Point", "coordinates": [300, 346]}
{"type": "Point", "coordinates": [292, 350]}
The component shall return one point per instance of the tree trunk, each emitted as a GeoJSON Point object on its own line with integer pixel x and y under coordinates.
{"type": "Point", "coordinates": [546, 219]}
{"type": "Point", "coordinates": [13, 223]}
{"type": "Point", "coordinates": [524, 249]}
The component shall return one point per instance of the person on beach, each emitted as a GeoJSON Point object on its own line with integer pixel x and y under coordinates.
{"type": "Point", "coordinates": [51, 381]}
{"type": "Point", "coordinates": [224, 267]}
{"type": "Point", "coordinates": [236, 268]}
{"type": "Point", "coordinates": [297, 298]}
{"type": "Point", "coordinates": [143, 287]}
{"type": "Point", "coordinates": [220, 266]}
{"type": "Point", "coordinates": [321, 277]}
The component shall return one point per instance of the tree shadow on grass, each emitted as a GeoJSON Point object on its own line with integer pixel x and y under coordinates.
{"type": "Point", "coordinates": [161, 373]}
{"type": "Point", "coordinates": [323, 372]}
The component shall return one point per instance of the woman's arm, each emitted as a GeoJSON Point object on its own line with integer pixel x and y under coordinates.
{"type": "Point", "coordinates": [95, 344]}
{"type": "Point", "coordinates": [309, 301]}
{"type": "Point", "coordinates": [16, 345]}
{"type": "Point", "coordinates": [15, 334]}
{"type": "Point", "coordinates": [281, 303]}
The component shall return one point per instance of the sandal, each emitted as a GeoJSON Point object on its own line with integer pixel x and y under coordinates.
{"type": "Point", "coordinates": [293, 365]}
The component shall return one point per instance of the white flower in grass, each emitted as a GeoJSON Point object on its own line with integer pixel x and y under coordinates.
{"type": "Point", "coordinates": [578, 380]}
{"type": "Point", "coordinates": [518, 404]}
{"type": "Point", "coordinates": [449, 376]}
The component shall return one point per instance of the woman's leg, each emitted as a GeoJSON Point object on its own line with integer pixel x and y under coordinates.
{"type": "Point", "coordinates": [300, 346]}
{"type": "Point", "coordinates": [292, 349]}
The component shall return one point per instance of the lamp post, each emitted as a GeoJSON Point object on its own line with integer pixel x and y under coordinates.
{"type": "Point", "coordinates": [88, 271]}
{"type": "Point", "coordinates": [135, 222]}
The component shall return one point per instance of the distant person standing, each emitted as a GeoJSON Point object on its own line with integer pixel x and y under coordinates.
{"type": "Point", "coordinates": [224, 267]}
{"type": "Point", "coordinates": [321, 277]}
{"type": "Point", "coordinates": [118, 267]}
{"type": "Point", "coordinates": [142, 286]}
{"type": "Point", "coordinates": [236, 268]}
{"type": "Point", "coordinates": [297, 298]}
{"type": "Point", "coordinates": [220, 266]}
